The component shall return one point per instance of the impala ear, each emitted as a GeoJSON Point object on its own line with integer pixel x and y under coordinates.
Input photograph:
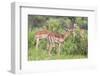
{"type": "Point", "coordinates": [70, 30]}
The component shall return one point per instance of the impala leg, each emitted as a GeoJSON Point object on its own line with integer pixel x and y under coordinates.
{"type": "Point", "coordinates": [37, 43]}
{"type": "Point", "coordinates": [49, 50]}
{"type": "Point", "coordinates": [59, 45]}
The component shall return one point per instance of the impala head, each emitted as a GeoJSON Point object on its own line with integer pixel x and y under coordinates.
{"type": "Point", "coordinates": [68, 31]}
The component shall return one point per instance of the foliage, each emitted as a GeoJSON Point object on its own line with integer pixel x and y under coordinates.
{"type": "Point", "coordinates": [53, 25]}
{"type": "Point", "coordinates": [76, 44]}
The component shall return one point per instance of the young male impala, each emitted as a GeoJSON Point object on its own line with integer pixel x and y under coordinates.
{"type": "Point", "coordinates": [58, 38]}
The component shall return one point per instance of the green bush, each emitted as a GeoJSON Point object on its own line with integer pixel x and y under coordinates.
{"type": "Point", "coordinates": [54, 25]}
{"type": "Point", "coordinates": [31, 39]}
{"type": "Point", "coordinates": [76, 44]}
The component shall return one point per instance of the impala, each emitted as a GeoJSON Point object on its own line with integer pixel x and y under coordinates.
{"type": "Point", "coordinates": [41, 35]}
{"type": "Point", "coordinates": [58, 38]}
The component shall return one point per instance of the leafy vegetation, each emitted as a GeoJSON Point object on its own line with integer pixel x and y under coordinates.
{"type": "Point", "coordinates": [75, 46]}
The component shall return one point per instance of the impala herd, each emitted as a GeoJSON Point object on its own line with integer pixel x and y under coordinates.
{"type": "Point", "coordinates": [52, 39]}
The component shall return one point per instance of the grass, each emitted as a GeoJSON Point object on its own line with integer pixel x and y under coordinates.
{"type": "Point", "coordinates": [39, 54]}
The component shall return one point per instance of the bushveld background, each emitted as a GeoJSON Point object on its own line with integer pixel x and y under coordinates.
{"type": "Point", "coordinates": [74, 47]}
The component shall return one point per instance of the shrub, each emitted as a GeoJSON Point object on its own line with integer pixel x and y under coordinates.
{"type": "Point", "coordinates": [31, 39]}
{"type": "Point", "coordinates": [76, 44]}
